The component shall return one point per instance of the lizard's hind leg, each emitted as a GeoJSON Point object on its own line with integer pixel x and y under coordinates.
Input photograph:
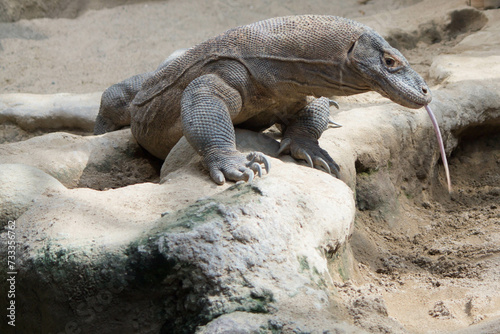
{"type": "Point", "coordinates": [206, 108]}
{"type": "Point", "coordinates": [300, 136]}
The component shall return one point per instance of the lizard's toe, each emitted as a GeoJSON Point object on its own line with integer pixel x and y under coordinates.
{"type": "Point", "coordinates": [302, 154]}
{"type": "Point", "coordinates": [236, 167]}
{"type": "Point", "coordinates": [328, 165]}
{"type": "Point", "coordinates": [233, 173]}
{"type": "Point", "coordinates": [217, 176]}
{"type": "Point", "coordinates": [256, 168]}
{"type": "Point", "coordinates": [257, 158]}
{"type": "Point", "coordinates": [312, 154]}
{"type": "Point", "coordinates": [322, 160]}
{"type": "Point", "coordinates": [321, 163]}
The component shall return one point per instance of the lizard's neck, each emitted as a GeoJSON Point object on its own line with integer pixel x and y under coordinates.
{"type": "Point", "coordinates": [317, 78]}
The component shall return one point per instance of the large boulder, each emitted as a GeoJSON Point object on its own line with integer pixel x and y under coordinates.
{"type": "Point", "coordinates": [194, 250]}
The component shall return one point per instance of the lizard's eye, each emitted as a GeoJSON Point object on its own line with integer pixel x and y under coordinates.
{"type": "Point", "coordinates": [390, 61]}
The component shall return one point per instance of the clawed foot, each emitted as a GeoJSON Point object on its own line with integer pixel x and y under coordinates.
{"type": "Point", "coordinates": [309, 150]}
{"type": "Point", "coordinates": [236, 167]}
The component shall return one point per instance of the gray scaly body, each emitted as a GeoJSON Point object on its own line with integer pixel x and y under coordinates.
{"type": "Point", "coordinates": [255, 76]}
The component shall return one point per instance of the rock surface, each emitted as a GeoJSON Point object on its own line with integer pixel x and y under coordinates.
{"type": "Point", "coordinates": [22, 186]}
{"type": "Point", "coordinates": [97, 162]}
{"type": "Point", "coordinates": [107, 242]}
{"type": "Point", "coordinates": [210, 254]}
{"type": "Point", "coordinates": [47, 112]}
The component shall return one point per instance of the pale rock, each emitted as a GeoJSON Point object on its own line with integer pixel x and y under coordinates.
{"type": "Point", "coordinates": [51, 111]}
{"type": "Point", "coordinates": [66, 156]}
{"type": "Point", "coordinates": [22, 186]}
{"type": "Point", "coordinates": [271, 234]}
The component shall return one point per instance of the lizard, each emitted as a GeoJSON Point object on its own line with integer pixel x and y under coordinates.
{"type": "Point", "coordinates": [276, 71]}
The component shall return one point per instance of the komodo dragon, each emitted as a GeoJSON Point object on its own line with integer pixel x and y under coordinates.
{"type": "Point", "coordinates": [255, 76]}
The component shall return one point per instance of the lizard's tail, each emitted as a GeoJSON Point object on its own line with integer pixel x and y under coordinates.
{"type": "Point", "coordinates": [113, 112]}
{"type": "Point", "coordinates": [99, 126]}
{"type": "Point", "coordinates": [103, 125]}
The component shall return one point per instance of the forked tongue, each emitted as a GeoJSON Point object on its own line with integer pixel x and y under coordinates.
{"type": "Point", "coordinates": [441, 145]}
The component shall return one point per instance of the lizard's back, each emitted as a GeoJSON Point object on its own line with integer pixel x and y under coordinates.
{"type": "Point", "coordinates": [311, 38]}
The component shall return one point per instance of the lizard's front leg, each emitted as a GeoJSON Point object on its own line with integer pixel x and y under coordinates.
{"type": "Point", "coordinates": [300, 137]}
{"type": "Point", "coordinates": [206, 108]}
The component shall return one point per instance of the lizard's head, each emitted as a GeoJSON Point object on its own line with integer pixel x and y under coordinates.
{"type": "Point", "coordinates": [387, 71]}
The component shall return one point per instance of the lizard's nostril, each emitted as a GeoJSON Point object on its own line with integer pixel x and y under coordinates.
{"type": "Point", "coordinates": [425, 90]}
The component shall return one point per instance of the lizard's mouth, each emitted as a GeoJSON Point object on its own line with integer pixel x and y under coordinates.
{"type": "Point", "coordinates": [412, 96]}
{"type": "Point", "coordinates": [414, 102]}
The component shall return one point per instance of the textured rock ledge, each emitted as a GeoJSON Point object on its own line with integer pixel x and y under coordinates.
{"type": "Point", "coordinates": [256, 248]}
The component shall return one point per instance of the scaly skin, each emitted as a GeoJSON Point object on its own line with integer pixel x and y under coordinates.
{"type": "Point", "coordinates": [258, 75]}
{"type": "Point", "coordinates": [114, 112]}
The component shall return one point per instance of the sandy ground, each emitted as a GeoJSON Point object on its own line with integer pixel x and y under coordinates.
{"type": "Point", "coordinates": [423, 258]}
{"type": "Point", "coordinates": [436, 260]}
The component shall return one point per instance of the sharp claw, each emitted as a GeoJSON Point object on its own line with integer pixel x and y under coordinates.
{"type": "Point", "coordinates": [252, 157]}
{"type": "Point", "coordinates": [302, 154]}
{"type": "Point", "coordinates": [217, 176]}
{"type": "Point", "coordinates": [309, 160]}
{"type": "Point", "coordinates": [336, 172]}
{"type": "Point", "coordinates": [267, 164]}
{"type": "Point", "coordinates": [333, 103]}
{"type": "Point", "coordinates": [258, 168]}
{"type": "Point", "coordinates": [255, 159]}
{"type": "Point", "coordinates": [322, 163]}
{"type": "Point", "coordinates": [285, 144]}
{"type": "Point", "coordinates": [250, 177]}
{"type": "Point", "coordinates": [336, 125]}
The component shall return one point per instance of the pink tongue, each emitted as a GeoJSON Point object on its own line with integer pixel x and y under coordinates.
{"type": "Point", "coordinates": [441, 145]}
